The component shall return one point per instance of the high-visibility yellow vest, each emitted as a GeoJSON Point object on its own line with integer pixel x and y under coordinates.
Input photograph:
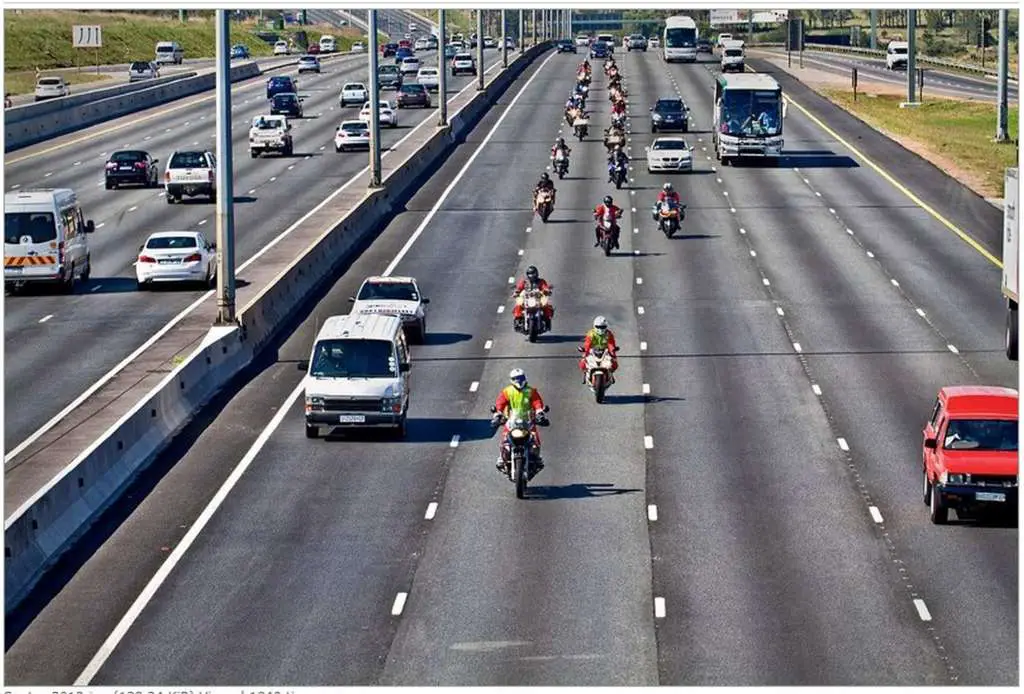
{"type": "Point", "coordinates": [518, 401]}
{"type": "Point", "coordinates": [598, 340]}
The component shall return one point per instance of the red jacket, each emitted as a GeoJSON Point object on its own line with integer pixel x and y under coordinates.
{"type": "Point", "coordinates": [663, 196]}
{"type": "Point", "coordinates": [554, 150]}
{"type": "Point", "coordinates": [542, 284]}
{"type": "Point", "coordinates": [600, 210]}
{"type": "Point", "coordinates": [502, 403]}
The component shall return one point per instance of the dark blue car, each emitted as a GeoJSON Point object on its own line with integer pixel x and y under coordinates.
{"type": "Point", "coordinates": [401, 53]}
{"type": "Point", "coordinates": [280, 85]}
{"type": "Point", "coordinates": [599, 49]}
{"type": "Point", "coordinates": [286, 105]}
{"type": "Point", "coordinates": [239, 51]}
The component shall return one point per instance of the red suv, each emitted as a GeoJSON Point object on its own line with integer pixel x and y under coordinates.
{"type": "Point", "coordinates": [970, 451]}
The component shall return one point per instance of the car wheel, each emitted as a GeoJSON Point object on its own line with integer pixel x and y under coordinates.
{"type": "Point", "coordinates": [170, 199]}
{"type": "Point", "coordinates": [312, 431]}
{"type": "Point", "coordinates": [939, 511]}
{"type": "Point", "coordinates": [67, 286]}
{"type": "Point", "coordinates": [927, 487]}
{"type": "Point", "coordinates": [109, 185]}
{"type": "Point", "coordinates": [88, 268]}
{"type": "Point", "coordinates": [338, 148]}
{"type": "Point", "coordinates": [254, 154]}
{"type": "Point", "coordinates": [213, 197]}
{"type": "Point", "coordinates": [401, 430]}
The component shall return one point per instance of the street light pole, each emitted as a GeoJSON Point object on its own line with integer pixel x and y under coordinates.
{"type": "Point", "coordinates": [479, 49]}
{"type": "Point", "coordinates": [442, 72]}
{"type": "Point", "coordinates": [225, 177]}
{"type": "Point", "coordinates": [375, 174]}
{"type": "Point", "coordinates": [911, 55]}
{"type": "Point", "coordinates": [504, 41]}
{"type": "Point", "coordinates": [1004, 72]}
{"type": "Point", "coordinates": [522, 33]}
{"type": "Point", "coordinates": [874, 29]}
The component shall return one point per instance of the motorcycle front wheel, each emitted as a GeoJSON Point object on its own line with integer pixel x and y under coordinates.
{"type": "Point", "coordinates": [600, 386]}
{"type": "Point", "coordinates": [519, 474]}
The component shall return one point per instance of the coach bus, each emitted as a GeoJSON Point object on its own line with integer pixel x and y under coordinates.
{"type": "Point", "coordinates": [679, 42]}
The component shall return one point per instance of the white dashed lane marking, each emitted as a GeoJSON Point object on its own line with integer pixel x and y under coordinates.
{"type": "Point", "coordinates": [431, 510]}
{"type": "Point", "coordinates": [46, 318]}
{"type": "Point", "coordinates": [399, 604]}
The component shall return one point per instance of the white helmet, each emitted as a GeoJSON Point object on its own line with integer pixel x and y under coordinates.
{"type": "Point", "coordinates": [518, 378]}
{"type": "Point", "coordinates": [600, 324]}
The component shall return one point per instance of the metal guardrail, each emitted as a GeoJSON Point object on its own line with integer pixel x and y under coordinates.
{"type": "Point", "coordinates": [878, 53]}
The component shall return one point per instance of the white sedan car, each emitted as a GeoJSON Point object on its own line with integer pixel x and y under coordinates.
{"type": "Point", "coordinates": [352, 134]}
{"type": "Point", "coordinates": [353, 93]}
{"type": "Point", "coordinates": [409, 65]}
{"type": "Point", "coordinates": [653, 42]}
{"type": "Point", "coordinates": [388, 114]}
{"type": "Point", "coordinates": [281, 48]}
{"type": "Point", "coordinates": [429, 77]}
{"type": "Point", "coordinates": [142, 70]}
{"type": "Point", "coordinates": [669, 154]}
{"type": "Point", "coordinates": [358, 47]}
{"type": "Point", "coordinates": [51, 87]}
{"type": "Point", "coordinates": [176, 256]}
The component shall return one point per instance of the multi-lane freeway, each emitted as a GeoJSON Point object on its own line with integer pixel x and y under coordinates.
{"type": "Point", "coordinates": [107, 318]}
{"type": "Point", "coordinates": [937, 80]}
{"type": "Point", "coordinates": [745, 509]}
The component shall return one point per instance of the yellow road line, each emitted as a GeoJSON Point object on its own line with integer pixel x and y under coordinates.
{"type": "Point", "coordinates": [136, 120]}
{"type": "Point", "coordinates": [964, 236]}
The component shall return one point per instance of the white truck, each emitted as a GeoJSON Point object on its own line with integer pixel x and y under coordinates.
{"type": "Point", "coordinates": [1011, 257]}
{"type": "Point", "coordinates": [191, 173]}
{"type": "Point", "coordinates": [732, 56]}
{"type": "Point", "coordinates": [270, 134]}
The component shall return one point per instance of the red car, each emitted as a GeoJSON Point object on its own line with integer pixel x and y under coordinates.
{"type": "Point", "coordinates": [314, 48]}
{"type": "Point", "coordinates": [970, 451]}
{"type": "Point", "coordinates": [405, 43]}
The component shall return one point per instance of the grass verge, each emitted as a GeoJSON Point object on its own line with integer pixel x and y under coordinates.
{"type": "Point", "coordinates": [957, 136]}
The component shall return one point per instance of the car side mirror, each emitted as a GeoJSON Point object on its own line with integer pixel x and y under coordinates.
{"type": "Point", "coordinates": [647, 149]}
{"type": "Point", "coordinates": [404, 368]}
{"type": "Point", "coordinates": [302, 366]}
{"type": "Point", "coordinates": [931, 443]}
{"type": "Point", "coordinates": [651, 109]}
{"type": "Point", "coordinates": [425, 300]}
{"type": "Point", "coordinates": [90, 227]}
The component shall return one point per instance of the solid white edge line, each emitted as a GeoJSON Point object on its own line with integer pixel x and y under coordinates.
{"type": "Point", "coordinates": [462, 172]}
{"type": "Point", "coordinates": [192, 307]}
{"type": "Point", "coordinates": [399, 604]}
{"type": "Point", "coordinates": [122, 627]}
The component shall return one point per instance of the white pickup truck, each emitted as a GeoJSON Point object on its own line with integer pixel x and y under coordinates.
{"type": "Point", "coordinates": [270, 134]}
{"type": "Point", "coordinates": [1011, 265]}
{"type": "Point", "coordinates": [190, 173]}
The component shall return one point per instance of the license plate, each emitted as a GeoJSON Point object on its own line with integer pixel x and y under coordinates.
{"type": "Point", "coordinates": [126, 168]}
{"type": "Point", "coordinates": [989, 496]}
{"type": "Point", "coordinates": [351, 419]}
{"type": "Point", "coordinates": [166, 261]}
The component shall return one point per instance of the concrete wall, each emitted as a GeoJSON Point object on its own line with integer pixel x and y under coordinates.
{"type": "Point", "coordinates": [48, 524]}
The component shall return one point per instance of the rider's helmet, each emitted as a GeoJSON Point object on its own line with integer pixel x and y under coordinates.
{"type": "Point", "coordinates": [532, 274]}
{"type": "Point", "coordinates": [607, 199]}
{"type": "Point", "coordinates": [518, 378]}
{"type": "Point", "coordinates": [561, 142]}
{"type": "Point", "coordinates": [544, 178]}
{"type": "Point", "coordinates": [601, 324]}
{"type": "Point", "coordinates": [667, 187]}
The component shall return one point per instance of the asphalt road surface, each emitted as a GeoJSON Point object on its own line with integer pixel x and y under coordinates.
{"type": "Point", "coordinates": [741, 510]}
{"type": "Point", "coordinates": [107, 317]}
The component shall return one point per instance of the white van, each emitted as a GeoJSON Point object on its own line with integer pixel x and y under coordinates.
{"type": "Point", "coordinates": [45, 238]}
{"type": "Point", "coordinates": [169, 52]}
{"type": "Point", "coordinates": [732, 56]}
{"type": "Point", "coordinates": [357, 375]}
{"type": "Point", "coordinates": [328, 44]}
{"type": "Point", "coordinates": [896, 54]}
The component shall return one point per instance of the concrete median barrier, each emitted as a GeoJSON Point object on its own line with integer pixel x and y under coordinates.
{"type": "Point", "coordinates": [48, 524]}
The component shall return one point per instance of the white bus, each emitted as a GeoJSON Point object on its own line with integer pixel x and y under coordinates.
{"type": "Point", "coordinates": [748, 115]}
{"type": "Point", "coordinates": [679, 41]}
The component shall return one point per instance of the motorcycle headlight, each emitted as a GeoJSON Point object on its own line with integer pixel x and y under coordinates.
{"type": "Point", "coordinates": [954, 478]}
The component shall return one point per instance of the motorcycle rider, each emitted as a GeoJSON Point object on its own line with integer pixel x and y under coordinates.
{"type": "Point", "coordinates": [560, 145]}
{"type": "Point", "coordinates": [616, 158]}
{"type": "Point", "coordinates": [613, 131]}
{"type": "Point", "coordinates": [532, 280]}
{"type": "Point", "coordinates": [545, 183]}
{"type": "Point", "coordinates": [524, 400]}
{"type": "Point", "coordinates": [667, 193]}
{"type": "Point", "coordinates": [611, 213]}
{"type": "Point", "coordinates": [599, 337]}
{"type": "Point", "coordinates": [618, 108]}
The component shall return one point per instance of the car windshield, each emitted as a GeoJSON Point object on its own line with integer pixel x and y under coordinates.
{"type": "Point", "coordinates": [140, 66]}
{"type": "Point", "coordinates": [127, 156]}
{"type": "Point", "coordinates": [390, 69]}
{"type": "Point", "coordinates": [751, 113]}
{"type": "Point", "coordinates": [353, 359]}
{"type": "Point", "coordinates": [38, 226]}
{"type": "Point", "coordinates": [392, 291]}
{"type": "Point", "coordinates": [669, 106]}
{"type": "Point", "coordinates": [412, 89]}
{"type": "Point", "coordinates": [187, 160]}
{"type": "Point", "coordinates": [50, 81]}
{"type": "Point", "coordinates": [354, 127]}
{"type": "Point", "coordinates": [353, 88]}
{"type": "Point", "coordinates": [981, 434]}
{"type": "Point", "coordinates": [159, 243]}
{"type": "Point", "coordinates": [268, 123]}
{"type": "Point", "coordinates": [900, 51]}
{"type": "Point", "coordinates": [280, 82]}
{"type": "Point", "coordinates": [733, 52]}
{"type": "Point", "coordinates": [165, 49]}
{"type": "Point", "coordinates": [284, 98]}
{"type": "Point", "coordinates": [669, 144]}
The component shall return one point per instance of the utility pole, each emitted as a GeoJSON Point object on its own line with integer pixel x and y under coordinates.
{"type": "Point", "coordinates": [504, 41]}
{"type": "Point", "coordinates": [533, 27]}
{"type": "Point", "coordinates": [1004, 73]}
{"type": "Point", "coordinates": [911, 55]}
{"type": "Point", "coordinates": [479, 49]}
{"type": "Point", "coordinates": [874, 29]}
{"type": "Point", "coordinates": [374, 97]}
{"type": "Point", "coordinates": [522, 33]}
{"type": "Point", "coordinates": [225, 177]}
{"type": "Point", "coordinates": [442, 73]}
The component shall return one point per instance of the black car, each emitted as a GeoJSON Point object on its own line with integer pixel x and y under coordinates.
{"type": "Point", "coordinates": [413, 95]}
{"type": "Point", "coordinates": [131, 166]}
{"type": "Point", "coordinates": [566, 46]}
{"type": "Point", "coordinates": [280, 85]}
{"type": "Point", "coordinates": [388, 50]}
{"type": "Point", "coordinates": [286, 105]}
{"type": "Point", "coordinates": [599, 49]}
{"type": "Point", "coordinates": [669, 114]}
{"type": "Point", "coordinates": [704, 46]}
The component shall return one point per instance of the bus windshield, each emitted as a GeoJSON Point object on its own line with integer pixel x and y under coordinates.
{"type": "Point", "coordinates": [680, 37]}
{"type": "Point", "coordinates": [751, 113]}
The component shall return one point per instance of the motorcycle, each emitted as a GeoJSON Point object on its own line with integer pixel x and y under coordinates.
{"type": "Point", "coordinates": [670, 216]}
{"type": "Point", "coordinates": [545, 204]}
{"type": "Point", "coordinates": [611, 140]}
{"type": "Point", "coordinates": [571, 114]}
{"type": "Point", "coordinates": [581, 126]}
{"type": "Point", "coordinates": [608, 238]}
{"type": "Point", "coordinates": [583, 78]}
{"type": "Point", "coordinates": [615, 82]}
{"type": "Point", "coordinates": [533, 322]}
{"type": "Point", "coordinates": [617, 173]}
{"type": "Point", "coordinates": [560, 163]}
{"type": "Point", "coordinates": [619, 121]}
{"type": "Point", "coordinates": [516, 447]}
{"type": "Point", "coordinates": [598, 363]}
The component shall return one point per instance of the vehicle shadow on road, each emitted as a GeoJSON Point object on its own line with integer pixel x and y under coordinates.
{"type": "Point", "coordinates": [446, 338]}
{"type": "Point", "coordinates": [579, 490]}
{"type": "Point", "coordinates": [823, 159]}
{"type": "Point", "coordinates": [419, 430]}
{"type": "Point", "coordinates": [685, 237]}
